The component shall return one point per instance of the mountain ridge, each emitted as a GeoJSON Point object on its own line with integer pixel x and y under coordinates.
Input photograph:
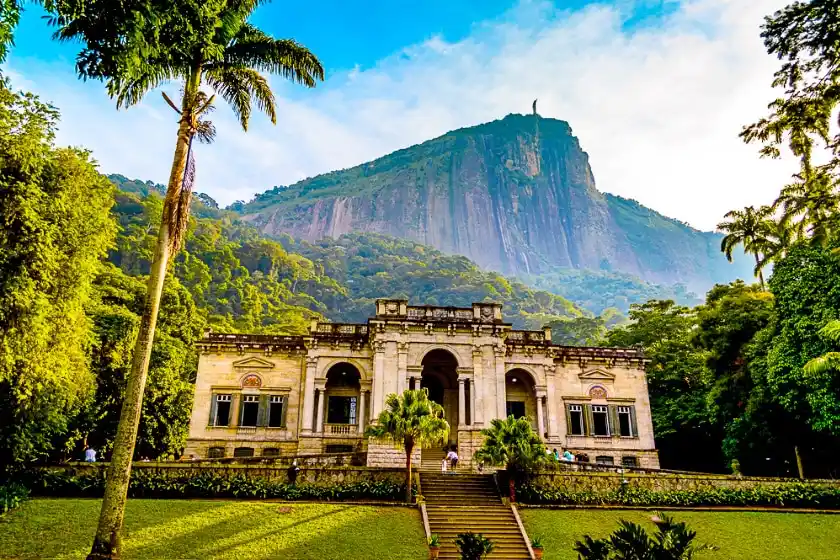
{"type": "Point", "coordinates": [516, 195]}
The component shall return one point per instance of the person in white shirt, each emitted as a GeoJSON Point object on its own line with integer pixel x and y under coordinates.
{"type": "Point", "coordinates": [90, 455]}
{"type": "Point", "coordinates": [453, 458]}
{"type": "Point", "coordinates": [443, 466]}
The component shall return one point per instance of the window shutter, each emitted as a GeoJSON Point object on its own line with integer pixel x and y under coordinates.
{"type": "Point", "coordinates": [262, 414]}
{"type": "Point", "coordinates": [615, 427]}
{"type": "Point", "coordinates": [283, 412]}
{"type": "Point", "coordinates": [634, 429]}
{"type": "Point", "coordinates": [212, 421]}
{"type": "Point", "coordinates": [569, 419]}
{"type": "Point", "coordinates": [587, 419]}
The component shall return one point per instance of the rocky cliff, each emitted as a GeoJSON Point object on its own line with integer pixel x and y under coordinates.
{"type": "Point", "coordinates": [515, 195]}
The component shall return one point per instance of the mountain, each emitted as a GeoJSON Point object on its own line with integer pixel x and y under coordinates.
{"type": "Point", "coordinates": [515, 195]}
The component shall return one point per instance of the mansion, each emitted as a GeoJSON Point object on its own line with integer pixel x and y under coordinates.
{"type": "Point", "coordinates": [270, 395]}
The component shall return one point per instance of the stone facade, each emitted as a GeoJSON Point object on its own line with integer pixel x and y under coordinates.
{"type": "Point", "coordinates": [266, 395]}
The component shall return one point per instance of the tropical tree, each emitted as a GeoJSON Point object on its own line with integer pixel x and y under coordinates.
{"type": "Point", "coordinates": [672, 541]}
{"type": "Point", "coordinates": [135, 47]}
{"type": "Point", "coordinates": [778, 237]}
{"type": "Point", "coordinates": [410, 419]}
{"type": "Point", "coordinates": [830, 361]}
{"type": "Point", "coordinates": [748, 227]}
{"type": "Point", "coordinates": [512, 442]}
{"type": "Point", "coordinates": [809, 207]}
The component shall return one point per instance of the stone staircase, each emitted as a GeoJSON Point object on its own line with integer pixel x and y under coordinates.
{"type": "Point", "coordinates": [460, 503]}
{"type": "Point", "coordinates": [430, 459]}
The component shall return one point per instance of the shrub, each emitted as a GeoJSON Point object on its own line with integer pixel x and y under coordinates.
{"type": "Point", "coordinates": [473, 546]}
{"type": "Point", "coordinates": [150, 484]}
{"type": "Point", "coordinates": [794, 494]}
{"type": "Point", "coordinates": [11, 496]}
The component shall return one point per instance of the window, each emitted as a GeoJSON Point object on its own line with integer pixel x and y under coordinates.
{"type": "Point", "coordinates": [600, 421]}
{"type": "Point", "coordinates": [625, 421]}
{"type": "Point", "coordinates": [270, 452]}
{"type": "Point", "coordinates": [243, 452]}
{"type": "Point", "coordinates": [276, 416]}
{"type": "Point", "coordinates": [604, 460]}
{"type": "Point", "coordinates": [516, 409]}
{"type": "Point", "coordinates": [629, 461]}
{"type": "Point", "coordinates": [250, 410]}
{"type": "Point", "coordinates": [216, 453]}
{"type": "Point", "coordinates": [220, 411]}
{"type": "Point", "coordinates": [576, 420]}
{"type": "Point", "coordinates": [341, 410]}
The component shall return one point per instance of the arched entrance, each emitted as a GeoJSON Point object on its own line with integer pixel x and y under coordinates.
{"type": "Point", "coordinates": [521, 396]}
{"type": "Point", "coordinates": [440, 378]}
{"type": "Point", "coordinates": [342, 391]}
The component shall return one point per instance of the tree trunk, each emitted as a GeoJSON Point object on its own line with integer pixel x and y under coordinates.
{"type": "Point", "coordinates": [107, 543]}
{"type": "Point", "coordinates": [760, 274]}
{"type": "Point", "coordinates": [799, 466]}
{"type": "Point", "coordinates": [409, 448]}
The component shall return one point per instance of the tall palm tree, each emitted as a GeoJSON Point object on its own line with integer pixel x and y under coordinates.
{"type": "Point", "coordinates": [747, 227]}
{"type": "Point", "coordinates": [511, 442]}
{"type": "Point", "coordinates": [776, 239]}
{"type": "Point", "coordinates": [136, 46]}
{"type": "Point", "coordinates": [810, 206]}
{"type": "Point", "coordinates": [410, 419]}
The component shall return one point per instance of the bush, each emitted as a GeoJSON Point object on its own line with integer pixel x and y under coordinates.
{"type": "Point", "coordinates": [11, 496]}
{"type": "Point", "coordinates": [149, 484]}
{"type": "Point", "coordinates": [795, 494]}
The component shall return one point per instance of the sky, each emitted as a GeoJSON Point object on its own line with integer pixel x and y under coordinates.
{"type": "Point", "coordinates": [655, 90]}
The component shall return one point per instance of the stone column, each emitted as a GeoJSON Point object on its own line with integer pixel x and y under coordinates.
{"type": "Point", "coordinates": [378, 396]}
{"type": "Point", "coordinates": [309, 394]}
{"type": "Point", "coordinates": [402, 365]}
{"type": "Point", "coordinates": [321, 403]}
{"type": "Point", "coordinates": [551, 405]}
{"type": "Point", "coordinates": [361, 411]}
{"type": "Point", "coordinates": [476, 389]}
{"type": "Point", "coordinates": [501, 394]}
{"type": "Point", "coordinates": [540, 416]}
{"type": "Point", "coordinates": [462, 400]}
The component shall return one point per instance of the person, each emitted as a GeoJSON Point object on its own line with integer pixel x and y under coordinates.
{"type": "Point", "coordinates": [293, 471]}
{"type": "Point", "coordinates": [443, 466]}
{"type": "Point", "coordinates": [567, 456]}
{"type": "Point", "coordinates": [453, 458]}
{"type": "Point", "coordinates": [556, 454]}
{"type": "Point", "coordinates": [90, 455]}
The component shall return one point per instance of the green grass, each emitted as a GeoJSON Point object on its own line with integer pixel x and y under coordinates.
{"type": "Point", "coordinates": [205, 529]}
{"type": "Point", "coordinates": [738, 535]}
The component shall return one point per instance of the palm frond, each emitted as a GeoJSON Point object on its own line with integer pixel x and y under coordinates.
{"type": "Point", "coordinates": [238, 86]}
{"type": "Point", "coordinates": [255, 49]}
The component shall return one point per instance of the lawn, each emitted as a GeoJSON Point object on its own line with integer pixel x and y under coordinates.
{"type": "Point", "coordinates": [206, 529]}
{"type": "Point", "coordinates": [738, 535]}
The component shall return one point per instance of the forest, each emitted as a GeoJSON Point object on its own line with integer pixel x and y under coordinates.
{"type": "Point", "coordinates": [745, 381]}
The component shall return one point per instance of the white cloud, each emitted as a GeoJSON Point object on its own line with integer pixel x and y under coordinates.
{"type": "Point", "coordinates": [658, 108]}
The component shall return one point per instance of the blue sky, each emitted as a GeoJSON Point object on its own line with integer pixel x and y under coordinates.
{"type": "Point", "coordinates": [656, 91]}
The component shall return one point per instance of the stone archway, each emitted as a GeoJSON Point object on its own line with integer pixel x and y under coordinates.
{"type": "Point", "coordinates": [343, 409]}
{"type": "Point", "coordinates": [521, 395]}
{"type": "Point", "coordinates": [440, 377]}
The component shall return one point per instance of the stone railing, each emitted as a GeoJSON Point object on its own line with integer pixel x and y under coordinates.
{"type": "Point", "coordinates": [261, 339]}
{"type": "Point", "coordinates": [526, 337]}
{"type": "Point", "coordinates": [429, 313]}
{"type": "Point", "coordinates": [351, 330]}
{"type": "Point", "coordinates": [340, 429]}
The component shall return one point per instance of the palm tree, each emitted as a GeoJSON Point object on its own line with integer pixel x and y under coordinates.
{"type": "Point", "coordinates": [830, 361]}
{"type": "Point", "coordinates": [512, 442]}
{"type": "Point", "coordinates": [810, 206]}
{"type": "Point", "coordinates": [410, 419]}
{"type": "Point", "coordinates": [136, 46]}
{"type": "Point", "coordinates": [748, 227]}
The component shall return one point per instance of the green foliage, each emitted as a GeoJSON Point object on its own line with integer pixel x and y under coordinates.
{"type": "Point", "coordinates": [580, 331]}
{"type": "Point", "coordinates": [473, 546]}
{"type": "Point", "coordinates": [56, 228]}
{"type": "Point", "coordinates": [791, 495]}
{"type": "Point", "coordinates": [146, 483]}
{"type": "Point", "coordinates": [434, 540]}
{"type": "Point", "coordinates": [11, 496]}
{"type": "Point", "coordinates": [672, 541]}
{"type": "Point", "coordinates": [511, 442]}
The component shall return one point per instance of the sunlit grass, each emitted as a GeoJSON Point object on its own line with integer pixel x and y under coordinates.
{"type": "Point", "coordinates": [738, 535]}
{"type": "Point", "coordinates": [204, 529]}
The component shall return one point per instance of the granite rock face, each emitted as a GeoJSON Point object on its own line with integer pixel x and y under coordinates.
{"type": "Point", "coordinates": [515, 195]}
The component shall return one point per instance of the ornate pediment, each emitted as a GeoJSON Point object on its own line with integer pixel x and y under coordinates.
{"type": "Point", "coordinates": [597, 375]}
{"type": "Point", "coordinates": [253, 363]}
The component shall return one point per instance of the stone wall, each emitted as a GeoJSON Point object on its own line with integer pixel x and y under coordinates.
{"type": "Point", "coordinates": [384, 454]}
{"type": "Point", "coordinates": [603, 482]}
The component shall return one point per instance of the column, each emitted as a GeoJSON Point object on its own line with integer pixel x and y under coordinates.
{"type": "Point", "coordinates": [540, 416]}
{"type": "Point", "coordinates": [361, 411]}
{"type": "Point", "coordinates": [462, 400]}
{"type": "Point", "coordinates": [472, 401]}
{"type": "Point", "coordinates": [476, 389]}
{"type": "Point", "coordinates": [551, 405]}
{"type": "Point", "coordinates": [378, 396]}
{"type": "Point", "coordinates": [320, 404]}
{"type": "Point", "coordinates": [309, 395]}
{"type": "Point", "coordinates": [501, 396]}
{"type": "Point", "coordinates": [402, 365]}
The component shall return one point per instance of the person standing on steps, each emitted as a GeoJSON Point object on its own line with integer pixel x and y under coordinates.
{"type": "Point", "coordinates": [443, 466]}
{"type": "Point", "coordinates": [452, 456]}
